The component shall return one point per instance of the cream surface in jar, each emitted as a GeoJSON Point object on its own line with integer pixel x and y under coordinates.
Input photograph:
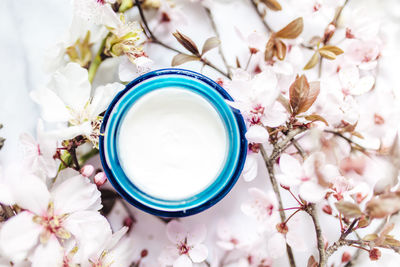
{"type": "Point", "coordinates": [172, 143]}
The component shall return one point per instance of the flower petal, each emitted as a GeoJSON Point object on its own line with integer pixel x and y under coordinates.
{"type": "Point", "coordinates": [198, 253]}
{"type": "Point", "coordinates": [312, 192]}
{"type": "Point", "coordinates": [183, 261]}
{"type": "Point", "coordinates": [250, 169]}
{"type": "Point", "coordinates": [52, 107]}
{"type": "Point", "coordinates": [76, 194]}
{"type": "Point", "coordinates": [49, 254]}
{"type": "Point", "coordinates": [176, 231]}
{"type": "Point", "coordinates": [103, 96]}
{"type": "Point", "coordinates": [364, 85]}
{"type": "Point", "coordinates": [168, 255]}
{"type": "Point", "coordinates": [18, 236]}
{"type": "Point", "coordinates": [290, 166]}
{"type": "Point", "coordinates": [277, 246]}
{"type": "Point", "coordinates": [196, 235]}
{"type": "Point", "coordinates": [257, 134]}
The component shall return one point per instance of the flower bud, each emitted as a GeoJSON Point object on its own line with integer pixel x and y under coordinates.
{"type": "Point", "coordinates": [374, 254]}
{"type": "Point", "coordinates": [87, 170]}
{"type": "Point", "coordinates": [100, 179]}
{"type": "Point", "coordinates": [327, 209]}
{"type": "Point", "coordinates": [128, 222]}
{"type": "Point", "coordinates": [282, 228]}
{"type": "Point", "coordinates": [144, 253]}
{"type": "Point", "coordinates": [346, 257]}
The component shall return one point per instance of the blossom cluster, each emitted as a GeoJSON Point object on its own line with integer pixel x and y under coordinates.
{"type": "Point", "coordinates": [321, 174]}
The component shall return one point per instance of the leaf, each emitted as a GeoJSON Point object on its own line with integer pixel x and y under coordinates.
{"type": "Point", "coordinates": [292, 30]}
{"type": "Point", "coordinates": [363, 222]}
{"type": "Point", "coordinates": [312, 262]}
{"type": "Point", "coordinates": [383, 206]}
{"type": "Point", "coordinates": [312, 62]}
{"type": "Point", "coordinates": [269, 48]}
{"type": "Point", "coordinates": [280, 50]}
{"type": "Point", "coordinates": [187, 43]}
{"type": "Point", "coordinates": [272, 4]}
{"type": "Point", "coordinates": [284, 102]}
{"type": "Point", "coordinates": [302, 95]}
{"type": "Point", "coordinates": [348, 209]}
{"type": "Point", "coordinates": [331, 48]}
{"type": "Point", "coordinates": [370, 237]}
{"type": "Point", "coordinates": [327, 54]}
{"type": "Point", "coordinates": [209, 44]}
{"type": "Point", "coordinates": [390, 241]}
{"type": "Point", "coordinates": [179, 59]}
{"type": "Point", "coordinates": [316, 117]}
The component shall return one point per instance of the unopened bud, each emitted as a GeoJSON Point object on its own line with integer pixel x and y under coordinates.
{"type": "Point", "coordinates": [100, 179]}
{"type": "Point", "coordinates": [282, 228]}
{"type": "Point", "coordinates": [144, 253]}
{"type": "Point", "coordinates": [87, 170]}
{"type": "Point", "coordinates": [128, 222]}
{"type": "Point", "coordinates": [346, 257]}
{"type": "Point", "coordinates": [327, 209]}
{"type": "Point", "coordinates": [374, 254]}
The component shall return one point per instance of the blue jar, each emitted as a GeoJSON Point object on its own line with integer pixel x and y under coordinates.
{"type": "Point", "coordinates": [231, 118]}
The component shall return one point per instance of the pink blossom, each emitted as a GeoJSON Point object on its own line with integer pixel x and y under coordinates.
{"type": "Point", "coordinates": [100, 179]}
{"type": "Point", "coordinates": [352, 83]}
{"type": "Point", "coordinates": [187, 245]}
{"type": "Point", "coordinates": [87, 170]}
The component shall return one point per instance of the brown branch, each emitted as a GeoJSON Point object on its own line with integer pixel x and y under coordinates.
{"type": "Point", "coordinates": [311, 210]}
{"type": "Point", "coordinates": [270, 167]}
{"type": "Point", "coordinates": [285, 143]}
{"type": "Point", "coordinates": [155, 40]}
{"type": "Point", "coordinates": [215, 28]}
{"type": "Point", "coordinates": [351, 142]}
{"type": "Point", "coordinates": [255, 5]}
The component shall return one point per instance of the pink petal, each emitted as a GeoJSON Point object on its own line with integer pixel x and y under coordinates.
{"type": "Point", "coordinates": [349, 77]}
{"type": "Point", "coordinates": [257, 134]}
{"type": "Point", "coordinates": [290, 166]}
{"type": "Point", "coordinates": [183, 261]}
{"type": "Point", "coordinates": [197, 234]}
{"type": "Point", "coordinates": [169, 255]}
{"type": "Point", "coordinates": [250, 169]}
{"type": "Point", "coordinates": [49, 254]}
{"type": "Point", "coordinates": [277, 245]}
{"type": "Point", "coordinates": [176, 231]}
{"type": "Point", "coordinates": [198, 253]}
{"type": "Point", "coordinates": [312, 192]}
{"type": "Point", "coordinates": [364, 85]}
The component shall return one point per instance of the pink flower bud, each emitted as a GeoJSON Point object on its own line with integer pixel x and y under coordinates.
{"type": "Point", "coordinates": [346, 257]}
{"type": "Point", "coordinates": [87, 170]}
{"type": "Point", "coordinates": [100, 179]}
{"type": "Point", "coordinates": [374, 254]}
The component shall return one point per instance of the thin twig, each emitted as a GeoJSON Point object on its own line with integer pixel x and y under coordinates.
{"type": "Point", "coordinates": [351, 142]}
{"type": "Point", "coordinates": [217, 34]}
{"type": "Point", "coordinates": [155, 40]}
{"type": "Point", "coordinates": [281, 146]}
{"type": "Point", "coordinates": [311, 210]}
{"type": "Point", "coordinates": [270, 167]}
{"type": "Point", "coordinates": [255, 5]}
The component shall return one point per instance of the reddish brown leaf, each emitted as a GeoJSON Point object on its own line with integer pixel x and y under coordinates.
{"type": "Point", "coordinates": [209, 44]}
{"type": "Point", "coordinates": [312, 262]}
{"type": "Point", "coordinates": [327, 54]}
{"type": "Point", "coordinates": [187, 43]}
{"type": "Point", "coordinates": [280, 50]}
{"type": "Point", "coordinates": [182, 58]}
{"type": "Point", "coordinates": [292, 30]}
{"type": "Point", "coordinates": [383, 206]}
{"type": "Point", "coordinates": [312, 62]}
{"type": "Point", "coordinates": [269, 48]}
{"type": "Point", "coordinates": [348, 209]}
{"type": "Point", "coordinates": [316, 117]}
{"type": "Point", "coordinates": [331, 48]}
{"type": "Point", "coordinates": [272, 4]}
{"type": "Point", "coordinates": [302, 95]}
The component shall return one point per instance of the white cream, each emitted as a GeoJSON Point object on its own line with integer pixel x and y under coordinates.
{"type": "Point", "coordinates": [172, 143]}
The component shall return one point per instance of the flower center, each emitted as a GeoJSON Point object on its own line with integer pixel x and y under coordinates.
{"type": "Point", "coordinates": [183, 248]}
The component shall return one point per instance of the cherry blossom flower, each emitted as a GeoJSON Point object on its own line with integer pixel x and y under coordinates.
{"type": "Point", "coordinates": [250, 169]}
{"type": "Point", "coordinates": [97, 12]}
{"type": "Point", "coordinates": [38, 155]}
{"type": "Point", "coordinates": [352, 83]}
{"type": "Point", "coordinates": [262, 207]}
{"type": "Point", "coordinates": [128, 71]}
{"type": "Point", "coordinates": [169, 17]}
{"type": "Point", "coordinates": [187, 248]}
{"type": "Point", "coordinates": [304, 175]}
{"type": "Point", "coordinates": [67, 98]}
{"type": "Point", "coordinates": [227, 239]}
{"type": "Point", "coordinates": [49, 217]}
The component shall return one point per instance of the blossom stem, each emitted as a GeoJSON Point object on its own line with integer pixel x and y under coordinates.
{"type": "Point", "coordinates": [155, 40]}
{"type": "Point", "coordinates": [270, 167]}
{"type": "Point", "coordinates": [215, 28]}
{"type": "Point", "coordinates": [311, 210]}
{"type": "Point", "coordinates": [6, 212]}
{"type": "Point", "coordinates": [291, 215]}
{"type": "Point", "coordinates": [298, 201]}
{"type": "Point", "coordinates": [94, 65]}
{"type": "Point", "coordinates": [72, 152]}
{"type": "Point", "coordinates": [255, 5]}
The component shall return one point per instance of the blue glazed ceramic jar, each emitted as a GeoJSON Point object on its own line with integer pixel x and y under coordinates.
{"type": "Point", "coordinates": [195, 83]}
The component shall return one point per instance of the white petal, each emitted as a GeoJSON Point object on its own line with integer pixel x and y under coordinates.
{"type": "Point", "coordinates": [196, 235]}
{"type": "Point", "coordinates": [264, 87]}
{"type": "Point", "coordinates": [290, 166]}
{"type": "Point", "coordinates": [53, 108]}
{"type": "Point", "coordinates": [91, 231]}
{"type": "Point", "coordinates": [198, 253]}
{"type": "Point", "coordinates": [294, 240]}
{"type": "Point", "coordinates": [183, 261]}
{"type": "Point", "coordinates": [76, 194]}
{"type": "Point", "coordinates": [349, 77]}
{"type": "Point", "coordinates": [176, 231]}
{"type": "Point", "coordinates": [116, 237]}
{"type": "Point", "coordinates": [103, 96]}
{"type": "Point", "coordinates": [312, 192]}
{"type": "Point", "coordinates": [225, 245]}
{"type": "Point", "coordinates": [168, 255]}
{"type": "Point", "coordinates": [31, 193]}
{"type": "Point", "coordinates": [18, 236]}
{"type": "Point", "coordinates": [72, 131]}
{"type": "Point", "coordinates": [72, 85]}
{"type": "Point", "coordinates": [250, 169]}
{"type": "Point", "coordinates": [49, 254]}
{"type": "Point", "coordinates": [364, 85]}
{"type": "Point", "coordinates": [277, 245]}
{"type": "Point", "coordinates": [274, 116]}
{"type": "Point", "coordinates": [6, 196]}
{"type": "Point", "coordinates": [257, 134]}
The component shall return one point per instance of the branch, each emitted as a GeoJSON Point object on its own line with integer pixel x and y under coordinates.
{"type": "Point", "coordinates": [155, 40]}
{"type": "Point", "coordinates": [270, 167]}
{"type": "Point", "coordinates": [215, 28]}
{"type": "Point", "coordinates": [255, 5]}
{"type": "Point", "coordinates": [285, 143]}
{"type": "Point", "coordinates": [351, 142]}
{"type": "Point", "coordinates": [320, 239]}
